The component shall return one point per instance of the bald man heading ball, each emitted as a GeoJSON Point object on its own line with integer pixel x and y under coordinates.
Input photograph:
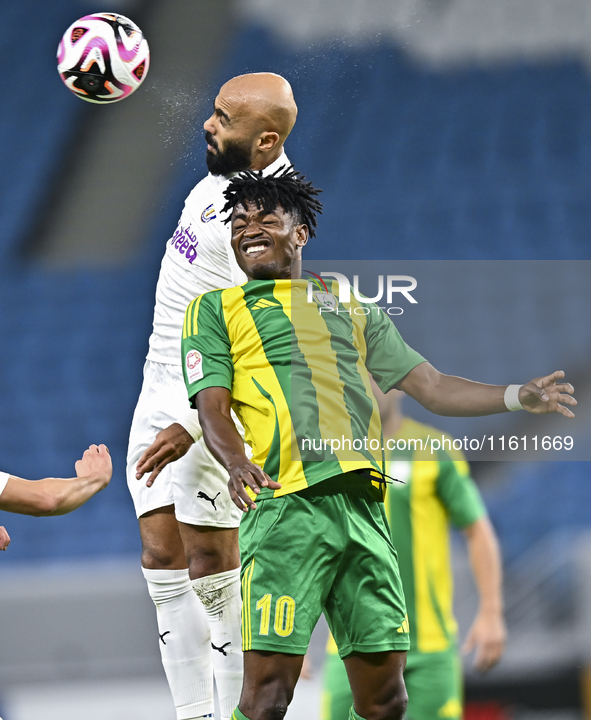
{"type": "Point", "coordinates": [253, 115]}
{"type": "Point", "coordinates": [188, 524]}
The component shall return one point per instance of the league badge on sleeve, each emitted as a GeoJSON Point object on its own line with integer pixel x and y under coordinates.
{"type": "Point", "coordinates": [194, 364]}
{"type": "Point", "coordinates": [208, 214]}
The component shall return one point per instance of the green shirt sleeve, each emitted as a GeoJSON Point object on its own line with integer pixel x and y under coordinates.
{"type": "Point", "coordinates": [389, 358]}
{"type": "Point", "coordinates": [458, 492]}
{"type": "Point", "coordinates": [205, 347]}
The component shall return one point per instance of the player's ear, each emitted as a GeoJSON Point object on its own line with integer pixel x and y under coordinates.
{"type": "Point", "coordinates": [302, 235]}
{"type": "Point", "coordinates": [267, 141]}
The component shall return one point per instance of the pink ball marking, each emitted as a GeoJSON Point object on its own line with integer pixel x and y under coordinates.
{"type": "Point", "coordinates": [96, 42]}
{"type": "Point", "coordinates": [127, 55]}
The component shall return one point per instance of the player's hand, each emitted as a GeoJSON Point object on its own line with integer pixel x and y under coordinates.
{"type": "Point", "coordinates": [4, 538]}
{"type": "Point", "coordinates": [96, 462]}
{"type": "Point", "coordinates": [548, 395]}
{"type": "Point", "coordinates": [487, 636]}
{"type": "Point", "coordinates": [169, 445]}
{"type": "Point", "coordinates": [248, 474]}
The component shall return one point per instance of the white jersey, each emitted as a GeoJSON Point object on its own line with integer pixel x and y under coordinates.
{"type": "Point", "coordinates": [198, 258]}
{"type": "Point", "coordinates": [3, 480]}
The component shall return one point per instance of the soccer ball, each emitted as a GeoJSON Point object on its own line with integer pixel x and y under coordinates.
{"type": "Point", "coordinates": [103, 57]}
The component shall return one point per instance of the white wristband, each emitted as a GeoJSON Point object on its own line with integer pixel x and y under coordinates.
{"type": "Point", "coordinates": [190, 421]}
{"type": "Point", "coordinates": [512, 398]}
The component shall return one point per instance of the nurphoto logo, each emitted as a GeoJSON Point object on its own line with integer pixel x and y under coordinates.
{"type": "Point", "coordinates": [393, 286]}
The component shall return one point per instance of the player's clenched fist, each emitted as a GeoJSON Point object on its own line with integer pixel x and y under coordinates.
{"type": "Point", "coordinates": [96, 463]}
{"type": "Point", "coordinates": [546, 395]}
{"type": "Point", "coordinates": [4, 538]}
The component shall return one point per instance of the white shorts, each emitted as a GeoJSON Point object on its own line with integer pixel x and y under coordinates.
{"type": "Point", "coordinates": [196, 484]}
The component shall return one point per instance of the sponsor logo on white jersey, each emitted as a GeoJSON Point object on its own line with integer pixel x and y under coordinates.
{"type": "Point", "coordinates": [185, 241]}
{"type": "Point", "coordinates": [194, 364]}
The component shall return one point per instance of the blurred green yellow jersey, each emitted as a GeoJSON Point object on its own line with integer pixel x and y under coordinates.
{"type": "Point", "coordinates": [435, 491]}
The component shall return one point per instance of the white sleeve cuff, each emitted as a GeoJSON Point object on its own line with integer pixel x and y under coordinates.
{"type": "Point", "coordinates": [512, 397]}
{"type": "Point", "coordinates": [3, 480]}
{"type": "Point", "coordinates": [190, 421]}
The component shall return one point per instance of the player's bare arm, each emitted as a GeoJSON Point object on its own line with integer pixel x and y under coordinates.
{"type": "Point", "coordinates": [487, 634]}
{"type": "Point", "coordinates": [58, 496]}
{"type": "Point", "coordinates": [169, 445]}
{"type": "Point", "coordinates": [456, 396]}
{"type": "Point", "coordinates": [227, 447]}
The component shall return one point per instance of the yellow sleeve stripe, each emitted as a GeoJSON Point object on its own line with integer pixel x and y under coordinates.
{"type": "Point", "coordinates": [196, 304]}
{"type": "Point", "coordinates": [186, 318]}
{"type": "Point", "coordinates": [190, 323]}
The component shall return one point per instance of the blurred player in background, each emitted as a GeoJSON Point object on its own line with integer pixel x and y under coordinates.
{"type": "Point", "coordinates": [188, 524]}
{"type": "Point", "coordinates": [55, 496]}
{"type": "Point", "coordinates": [437, 490]}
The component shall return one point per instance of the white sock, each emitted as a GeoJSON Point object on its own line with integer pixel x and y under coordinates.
{"type": "Point", "coordinates": [185, 643]}
{"type": "Point", "coordinates": [220, 595]}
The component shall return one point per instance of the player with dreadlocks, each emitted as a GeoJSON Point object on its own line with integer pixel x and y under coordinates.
{"type": "Point", "coordinates": [285, 187]}
{"type": "Point", "coordinates": [316, 539]}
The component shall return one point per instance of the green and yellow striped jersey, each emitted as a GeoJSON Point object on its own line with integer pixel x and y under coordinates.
{"type": "Point", "coordinates": [437, 491]}
{"type": "Point", "coordinates": [298, 375]}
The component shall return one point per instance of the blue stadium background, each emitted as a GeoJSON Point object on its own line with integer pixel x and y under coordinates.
{"type": "Point", "coordinates": [471, 164]}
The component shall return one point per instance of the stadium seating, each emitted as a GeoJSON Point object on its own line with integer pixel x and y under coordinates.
{"type": "Point", "coordinates": [536, 501]}
{"type": "Point", "coordinates": [415, 164]}
{"type": "Point", "coordinates": [38, 119]}
{"type": "Point", "coordinates": [423, 164]}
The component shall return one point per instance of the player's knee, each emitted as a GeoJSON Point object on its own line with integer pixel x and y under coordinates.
{"type": "Point", "coordinates": [162, 546]}
{"type": "Point", "coordinates": [268, 709]}
{"type": "Point", "coordinates": [399, 705]}
{"type": "Point", "coordinates": [161, 558]}
{"type": "Point", "coordinates": [267, 701]}
{"type": "Point", "coordinates": [395, 708]}
{"type": "Point", "coordinates": [205, 565]}
{"type": "Point", "coordinates": [209, 554]}
{"type": "Point", "coordinates": [390, 706]}
{"type": "Point", "coordinates": [276, 711]}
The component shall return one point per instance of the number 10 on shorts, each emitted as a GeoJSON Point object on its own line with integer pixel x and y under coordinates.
{"type": "Point", "coordinates": [284, 614]}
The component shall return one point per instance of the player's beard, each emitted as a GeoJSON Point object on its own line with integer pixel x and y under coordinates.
{"type": "Point", "coordinates": [234, 158]}
{"type": "Point", "coordinates": [264, 272]}
{"type": "Point", "coordinates": [273, 270]}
